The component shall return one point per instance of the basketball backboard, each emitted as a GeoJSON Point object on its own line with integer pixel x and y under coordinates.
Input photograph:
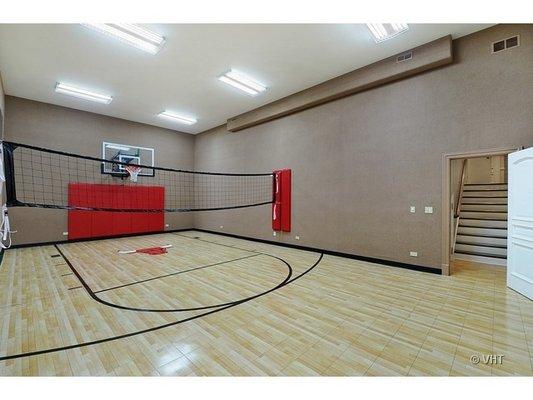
{"type": "Point", "coordinates": [125, 153]}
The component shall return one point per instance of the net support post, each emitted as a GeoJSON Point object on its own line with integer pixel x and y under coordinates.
{"type": "Point", "coordinates": [281, 205]}
{"type": "Point", "coordinates": [9, 174]}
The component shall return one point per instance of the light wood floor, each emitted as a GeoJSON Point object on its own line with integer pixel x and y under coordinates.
{"type": "Point", "coordinates": [221, 306]}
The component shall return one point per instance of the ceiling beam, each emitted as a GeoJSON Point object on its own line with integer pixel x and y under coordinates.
{"type": "Point", "coordinates": [428, 56]}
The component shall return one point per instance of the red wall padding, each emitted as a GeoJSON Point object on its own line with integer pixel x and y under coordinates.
{"type": "Point", "coordinates": [281, 208]}
{"type": "Point", "coordinates": [87, 224]}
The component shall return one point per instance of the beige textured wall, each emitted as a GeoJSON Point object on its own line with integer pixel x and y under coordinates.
{"type": "Point", "coordinates": [60, 128]}
{"type": "Point", "coordinates": [360, 162]}
{"type": "Point", "coordinates": [2, 106]}
{"type": "Point", "coordinates": [478, 170]}
{"type": "Point", "coordinates": [486, 170]}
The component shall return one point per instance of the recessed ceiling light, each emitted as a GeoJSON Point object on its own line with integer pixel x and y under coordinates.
{"type": "Point", "coordinates": [82, 93]}
{"type": "Point", "coordinates": [132, 34]}
{"type": "Point", "coordinates": [242, 82]}
{"type": "Point", "coordinates": [179, 118]}
{"type": "Point", "coordinates": [382, 32]}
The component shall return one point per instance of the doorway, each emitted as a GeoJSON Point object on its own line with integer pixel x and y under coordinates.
{"type": "Point", "coordinates": [495, 160]}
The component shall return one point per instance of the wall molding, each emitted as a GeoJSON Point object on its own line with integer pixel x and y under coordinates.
{"type": "Point", "coordinates": [425, 57]}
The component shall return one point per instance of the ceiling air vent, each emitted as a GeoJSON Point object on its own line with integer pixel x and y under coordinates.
{"type": "Point", "coordinates": [404, 57]}
{"type": "Point", "coordinates": [505, 44]}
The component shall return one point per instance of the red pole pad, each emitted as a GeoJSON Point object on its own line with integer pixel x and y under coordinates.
{"type": "Point", "coordinates": [286, 200]}
{"type": "Point", "coordinates": [276, 205]}
{"type": "Point", "coordinates": [281, 207]}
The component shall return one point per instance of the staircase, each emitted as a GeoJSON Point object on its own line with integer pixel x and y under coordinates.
{"type": "Point", "coordinates": [482, 223]}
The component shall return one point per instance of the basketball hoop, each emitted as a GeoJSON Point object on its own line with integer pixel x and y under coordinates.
{"type": "Point", "coordinates": [133, 170]}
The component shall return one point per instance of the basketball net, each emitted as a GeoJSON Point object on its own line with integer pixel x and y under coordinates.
{"type": "Point", "coordinates": [133, 170]}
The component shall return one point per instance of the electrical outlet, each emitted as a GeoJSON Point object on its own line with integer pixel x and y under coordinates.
{"type": "Point", "coordinates": [167, 225]}
{"type": "Point", "coordinates": [221, 226]}
{"type": "Point", "coordinates": [412, 210]}
{"type": "Point", "coordinates": [428, 210]}
{"type": "Point", "coordinates": [65, 233]}
{"type": "Point", "coordinates": [297, 237]}
{"type": "Point", "coordinates": [413, 254]}
{"type": "Point", "coordinates": [274, 233]}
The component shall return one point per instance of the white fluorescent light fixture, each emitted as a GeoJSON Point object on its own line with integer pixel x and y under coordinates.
{"type": "Point", "coordinates": [132, 34]}
{"type": "Point", "coordinates": [82, 93]}
{"type": "Point", "coordinates": [179, 118]}
{"type": "Point", "coordinates": [242, 82]}
{"type": "Point", "coordinates": [382, 32]}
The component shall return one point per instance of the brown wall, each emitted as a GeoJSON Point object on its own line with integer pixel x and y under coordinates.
{"type": "Point", "coordinates": [60, 128]}
{"type": "Point", "coordinates": [360, 162]}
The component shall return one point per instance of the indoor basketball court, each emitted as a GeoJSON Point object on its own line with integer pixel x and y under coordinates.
{"type": "Point", "coordinates": [300, 212]}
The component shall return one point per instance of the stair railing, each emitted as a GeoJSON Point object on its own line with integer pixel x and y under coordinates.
{"type": "Point", "coordinates": [457, 210]}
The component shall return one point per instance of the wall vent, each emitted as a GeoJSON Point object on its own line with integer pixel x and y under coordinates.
{"type": "Point", "coordinates": [505, 44]}
{"type": "Point", "coordinates": [404, 57]}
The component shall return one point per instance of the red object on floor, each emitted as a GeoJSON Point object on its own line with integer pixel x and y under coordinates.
{"type": "Point", "coordinates": [153, 251]}
{"type": "Point", "coordinates": [281, 207]}
{"type": "Point", "coordinates": [87, 224]}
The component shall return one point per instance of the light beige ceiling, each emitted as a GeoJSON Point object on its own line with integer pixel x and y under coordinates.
{"type": "Point", "coordinates": [183, 76]}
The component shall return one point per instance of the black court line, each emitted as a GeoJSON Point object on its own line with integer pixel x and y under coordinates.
{"type": "Point", "coordinates": [155, 328]}
{"type": "Point", "coordinates": [107, 303]}
{"type": "Point", "coordinates": [217, 243]}
{"type": "Point", "coordinates": [175, 273]}
{"type": "Point", "coordinates": [55, 255]}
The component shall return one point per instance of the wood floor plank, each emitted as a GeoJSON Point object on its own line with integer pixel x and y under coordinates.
{"type": "Point", "coordinates": [345, 317]}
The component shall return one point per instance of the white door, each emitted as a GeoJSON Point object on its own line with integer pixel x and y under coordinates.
{"type": "Point", "coordinates": [520, 223]}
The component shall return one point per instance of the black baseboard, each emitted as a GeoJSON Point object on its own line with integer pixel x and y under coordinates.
{"type": "Point", "coordinates": [18, 246]}
{"type": "Point", "coordinates": [331, 253]}
{"type": "Point", "coordinates": [290, 245]}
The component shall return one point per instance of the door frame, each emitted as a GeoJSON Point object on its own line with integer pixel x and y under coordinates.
{"type": "Point", "coordinates": [446, 206]}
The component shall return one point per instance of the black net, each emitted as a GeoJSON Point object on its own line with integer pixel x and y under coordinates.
{"type": "Point", "coordinates": [38, 177]}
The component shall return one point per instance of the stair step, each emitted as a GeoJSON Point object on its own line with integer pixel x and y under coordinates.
{"type": "Point", "coordinates": [484, 193]}
{"type": "Point", "coordinates": [482, 232]}
{"type": "Point", "coordinates": [482, 241]}
{"type": "Point", "coordinates": [485, 186]}
{"type": "Point", "coordinates": [490, 215]}
{"type": "Point", "coordinates": [481, 259]}
{"type": "Point", "coordinates": [482, 223]}
{"type": "Point", "coordinates": [485, 251]}
{"type": "Point", "coordinates": [480, 207]}
{"type": "Point", "coordinates": [484, 200]}
{"type": "Point", "coordinates": [496, 246]}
